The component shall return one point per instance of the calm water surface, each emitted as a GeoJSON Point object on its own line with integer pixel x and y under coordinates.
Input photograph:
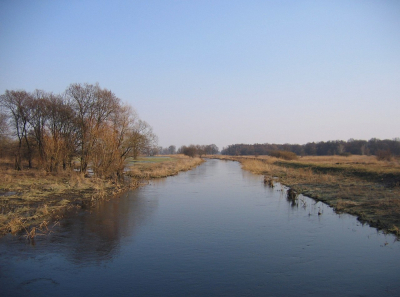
{"type": "Point", "coordinates": [212, 231]}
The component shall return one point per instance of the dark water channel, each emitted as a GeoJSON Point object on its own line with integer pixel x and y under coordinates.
{"type": "Point", "coordinates": [212, 231]}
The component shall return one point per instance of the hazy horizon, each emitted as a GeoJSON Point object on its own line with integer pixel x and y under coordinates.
{"type": "Point", "coordinates": [222, 72]}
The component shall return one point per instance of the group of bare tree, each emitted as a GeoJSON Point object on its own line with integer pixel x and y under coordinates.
{"type": "Point", "coordinates": [86, 123]}
{"type": "Point", "coordinates": [198, 150]}
{"type": "Point", "coordinates": [171, 150]}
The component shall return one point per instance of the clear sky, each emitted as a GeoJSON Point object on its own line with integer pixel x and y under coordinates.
{"type": "Point", "coordinates": [223, 72]}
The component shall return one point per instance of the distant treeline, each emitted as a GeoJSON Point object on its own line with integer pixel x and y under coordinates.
{"type": "Point", "coordinates": [373, 146]}
{"type": "Point", "coordinates": [200, 150]}
{"type": "Point", "coordinates": [86, 123]}
{"type": "Point", "coordinates": [191, 150]}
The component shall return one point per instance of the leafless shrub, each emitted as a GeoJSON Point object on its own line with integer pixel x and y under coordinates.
{"type": "Point", "coordinates": [283, 155]}
{"type": "Point", "coordinates": [269, 181]}
{"type": "Point", "coordinates": [383, 155]}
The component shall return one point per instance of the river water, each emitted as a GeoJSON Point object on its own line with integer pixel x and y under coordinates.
{"type": "Point", "coordinates": [213, 231]}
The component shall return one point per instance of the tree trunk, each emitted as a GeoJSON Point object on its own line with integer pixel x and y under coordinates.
{"type": "Point", "coordinates": [18, 161]}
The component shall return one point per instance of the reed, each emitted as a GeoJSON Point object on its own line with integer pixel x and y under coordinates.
{"type": "Point", "coordinates": [269, 181]}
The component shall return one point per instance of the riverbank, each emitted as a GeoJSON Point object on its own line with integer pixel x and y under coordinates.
{"type": "Point", "coordinates": [31, 200]}
{"type": "Point", "coordinates": [162, 166]}
{"type": "Point", "coordinates": [358, 185]}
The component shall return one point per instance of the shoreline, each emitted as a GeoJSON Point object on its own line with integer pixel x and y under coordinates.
{"type": "Point", "coordinates": [369, 191]}
{"type": "Point", "coordinates": [32, 201]}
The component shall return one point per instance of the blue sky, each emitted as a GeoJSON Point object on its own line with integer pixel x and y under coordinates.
{"type": "Point", "coordinates": [223, 72]}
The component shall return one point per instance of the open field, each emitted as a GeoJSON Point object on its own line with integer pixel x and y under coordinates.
{"type": "Point", "coordinates": [32, 199]}
{"type": "Point", "coordinates": [359, 185]}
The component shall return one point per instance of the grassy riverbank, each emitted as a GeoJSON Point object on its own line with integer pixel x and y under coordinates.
{"type": "Point", "coordinates": [162, 166]}
{"type": "Point", "coordinates": [31, 200]}
{"type": "Point", "coordinates": [359, 185]}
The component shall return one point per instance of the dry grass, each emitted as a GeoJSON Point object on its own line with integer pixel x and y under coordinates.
{"type": "Point", "coordinates": [359, 185]}
{"type": "Point", "coordinates": [29, 199]}
{"type": "Point", "coordinates": [172, 166]}
{"type": "Point", "coordinates": [367, 164]}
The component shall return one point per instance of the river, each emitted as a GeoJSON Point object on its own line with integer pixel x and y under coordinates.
{"type": "Point", "coordinates": [213, 231]}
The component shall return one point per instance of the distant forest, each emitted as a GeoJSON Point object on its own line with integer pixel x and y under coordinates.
{"type": "Point", "coordinates": [373, 146]}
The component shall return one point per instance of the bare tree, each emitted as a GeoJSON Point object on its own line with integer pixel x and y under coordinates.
{"type": "Point", "coordinates": [16, 105]}
{"type": "Point", "coordinates": [211, 149]}
{"type": "Point", "coordinates": [93, 106]}
{"type": "Point", "coordinates": [200, 150]}
{"type": "Point", "coordinates": [60, 136]}
{"type": "Point", "coordinates": [114, 143]}
{"type": "Point", "coordinates": [172, 149]}
{"type": "Point", "coordinates": [190, 150]}
{"type": "Point", "coordinates": [4, 139]}
{"type": "Point", "coordinates": [3, 126]}
{"type": "Point", "coordinates": [142, 138]}
{"type": "Point", "coordinates": [36, 106]}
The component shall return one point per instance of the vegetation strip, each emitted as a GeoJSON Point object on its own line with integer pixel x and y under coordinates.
{"type": "Point", "coordinates": [358, 185]}
{"type": "Point", "coordinates": [33, 200]}
{"type": "Point", "coordinates": [388, 178]}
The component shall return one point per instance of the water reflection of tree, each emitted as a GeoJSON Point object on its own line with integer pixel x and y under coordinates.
{"type": "Point", "coordinates": [95, 236]}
